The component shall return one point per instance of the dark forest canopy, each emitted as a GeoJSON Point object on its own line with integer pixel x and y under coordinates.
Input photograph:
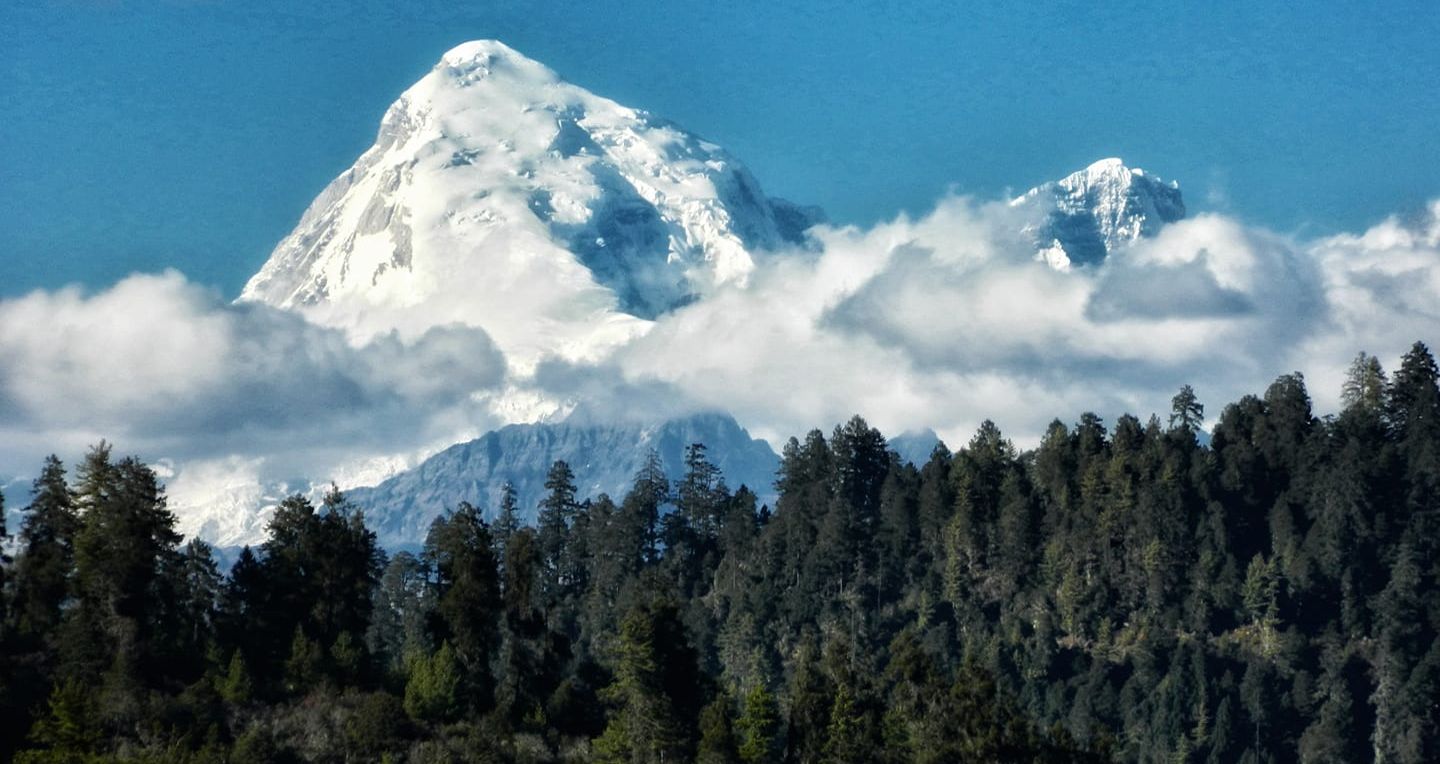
{"type": "Point", "coordinates": [1120, 592]}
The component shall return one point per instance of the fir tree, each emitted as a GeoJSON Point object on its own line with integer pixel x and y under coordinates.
{"type": "Point", "coordinates": [467, 597]}
{"type": "Point", "coordinates": [433, 692]}
{"type": "Point", "coordinates": [1186, 411]}
{"type": "Point", "coordinates": [41, 577]}
{"type": "Point", "coordinates": [758, 727]}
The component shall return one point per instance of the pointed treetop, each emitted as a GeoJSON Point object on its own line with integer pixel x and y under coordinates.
{"type": "Point", "coordinates": [1186, 411]}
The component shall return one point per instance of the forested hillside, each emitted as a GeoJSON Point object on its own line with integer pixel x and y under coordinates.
{"type": "Point", "coordinates": [1120, 592]}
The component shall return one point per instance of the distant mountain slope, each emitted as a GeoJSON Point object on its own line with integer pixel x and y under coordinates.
{"type": "Point", "coordinates": [605, 459]}
{"type": "Point", "coordinates": [915, 446]}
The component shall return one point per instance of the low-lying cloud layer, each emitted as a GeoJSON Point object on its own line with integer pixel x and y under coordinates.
{"type": "Point", "coordinates": [168, 369]}
{"type": "Point", "coordinates": [947, 320]}
{"type": "Point", "coordinates": [940, 321]}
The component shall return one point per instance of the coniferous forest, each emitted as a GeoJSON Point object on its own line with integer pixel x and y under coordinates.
{"type": "Point", "coordinates": [1121, 592]}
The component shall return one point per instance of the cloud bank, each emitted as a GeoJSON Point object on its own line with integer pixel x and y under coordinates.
{"type": "Point", "coordinates": [168, 369]}
{"type": "Point", "coordinates": [948, 319]}
{"type": "Point", "coordinates": [938, 321]}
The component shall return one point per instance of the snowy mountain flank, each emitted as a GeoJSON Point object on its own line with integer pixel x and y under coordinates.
{"type": "Point", "coordinates": [498, 195]}
{"type": "Point", "coordinates": [1089, 214]}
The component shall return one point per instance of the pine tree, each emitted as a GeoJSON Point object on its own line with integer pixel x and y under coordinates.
{"type": "Point", "coordinates": [246, 621]}
{"type": "Point", "coordinates": [41, 577]}
{"type": "Point", "coordinates": [700, 496]}
{"type": "Point", "coordinates": [556, 511]}
{"type": "Point", "coordinates": [849, 737]}
{"type": "Point", "coordinates": [433, 692]}
{"type": "Point", "coordinates": [1186, 411]}
{"type": "Point", "coordinates": [656, 692]}
{"type": "Point", "coordinates": [304, 668]}
{"type": "Point", "coordinates": [467, 597]}
{"type": "Point", "coordinates": [525, 677]}
{"type": "Point", "coordinates": [318, 574]}
{"type": "Point", "coordinates": [690, 534]}
{"type": "Point", "coordinates": [1364, 389]}
{"type": "Point", "coordinates": [125, 544]}
{"type": "Point", "coordinates": [237, 687]}
{"type": "Point", "coordinates": [404, 605]}
{"type": "Point", "coordinates": [1412, 402]}
{"type": "Point", "coordinates": [644, 504]}
{"type": "Point", "coordinates": [1331, 739]}
{"type": "Point", "coordinates": [812, 695]}
{"type": "Point", "coordinates": [347, 660]}
{"type": "Point", "coordinates": [507, 520]}
{"type": "Point", "coordinates": [72, 729]}
{"type": "Point", "coordinates": [758, 727]}
{"type": "Point", "coordinates": [717, 733]}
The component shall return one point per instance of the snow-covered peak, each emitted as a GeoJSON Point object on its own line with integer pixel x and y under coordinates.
{"type": "Point", "coordinates": [481, 52]}
{"type": "Point", "coordinates": [501, 196]}
{"type": "Point", "coordinates": [1108, 164]}
{"type": "Point", "coordinates": [1087, 215]}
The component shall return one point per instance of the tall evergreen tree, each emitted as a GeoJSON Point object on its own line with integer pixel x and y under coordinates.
{"type": "Point", "coordinates": [319, 571]}
{"type": "Point", "coordinates": [507, 519]}
{"type": "Point", "coordinates": [404, 605]}
{"type": "Point", "coordinates": [758, 727]}
{"type": "Point", "coordinates": [191, 596]}
{"type": "Point", "coordinates": [657, 692]}
{"type": "Point", "coordinates": [557, 514]}
{"type": "Point", "coordinates": [1186, 411]}
{"type": "Point", "coordinates": [41, 579]}
{"type": "Point", "coordinates": [644, 504]}
{"type": "Point", "coordinates": [1365, 385]}
{"type": "Point", "coordinates": [125, 543]}
{"type": "Point", "coordinates": [467, 592]}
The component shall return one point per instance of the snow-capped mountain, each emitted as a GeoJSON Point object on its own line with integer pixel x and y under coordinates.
{"type": "Point", "coordinates": [1089, 214]}
{"type": "Point", "coordinates": [499, 195]}
{"type": "Point", "coordinates": [604, 457]}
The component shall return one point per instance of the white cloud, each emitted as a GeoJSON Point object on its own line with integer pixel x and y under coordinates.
{"type": "Point", "coordinates": [948, 319]}
{"type": "Point", "coordinates": [169, 370]}
{"type": "Point", "coordinates": [939, 321]}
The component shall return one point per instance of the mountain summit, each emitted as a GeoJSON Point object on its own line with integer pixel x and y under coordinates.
{"type": "Point", "coordinates": [1089, 214]}
{"type": "Point", "coordinates": [499, 195]}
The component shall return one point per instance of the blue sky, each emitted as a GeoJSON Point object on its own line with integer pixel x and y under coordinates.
{"type": "Point", "coordinates": [145, 135]}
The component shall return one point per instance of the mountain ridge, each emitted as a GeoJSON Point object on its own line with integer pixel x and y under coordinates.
{"type": "Point", "coordinates": [604, 458]}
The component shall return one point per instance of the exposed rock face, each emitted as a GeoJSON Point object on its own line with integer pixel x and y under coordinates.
{"type": "Point", "coordinates": [604, 458]}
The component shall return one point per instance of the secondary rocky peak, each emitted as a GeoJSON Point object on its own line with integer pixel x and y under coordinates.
{"type": "Point", "coordinates": [1087, 215]}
